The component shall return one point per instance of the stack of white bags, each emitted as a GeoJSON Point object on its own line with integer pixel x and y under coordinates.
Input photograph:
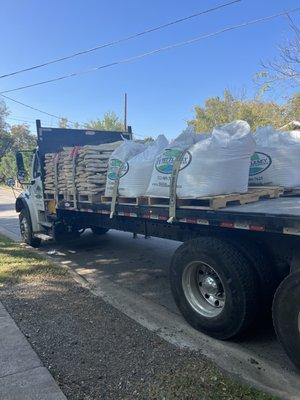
{"type": "Point", "coordinates": [216, 163]}
{"type": "Point", "coordinates": [213, 164]}
{"type": "Point", "coordinates": [276, 160]}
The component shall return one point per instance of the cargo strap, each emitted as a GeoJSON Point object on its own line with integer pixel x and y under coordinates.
{"type": "Point", "coordinates": [74, 154]}
{"type": "Point", "coordinates": [115, 192]}
{"type": "Point", "coordinates": [56, 160]}
{"type": "Point", "coordinates": [173, 186]}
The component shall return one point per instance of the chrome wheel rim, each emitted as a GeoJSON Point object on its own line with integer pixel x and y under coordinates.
{"type": "Point", "coordinates": [203, 289]}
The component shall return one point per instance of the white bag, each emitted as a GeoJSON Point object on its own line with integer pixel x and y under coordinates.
{"type": "Point", "coordinates": [163, 166]}
{"type": "Point", "coordinates": [218, 164]}
{"type": "Point", "coordinates": [136, 180]}
{"type": "Point", "coordinates": [276, 160]}
{"type": "Point", "coordinates": [118, 159]}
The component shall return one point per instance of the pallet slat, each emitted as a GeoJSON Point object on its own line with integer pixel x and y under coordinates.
{"type": "Point", "coordinates": [221, 201]}
{"type": "Point", "coordinates": [203, 203]}
{"type": "Point", "coordinates": [290, 192]}
{"type": "Point", "coordinates": [126, 200]}
{"type": "Point", "coordinates": [89, 198]}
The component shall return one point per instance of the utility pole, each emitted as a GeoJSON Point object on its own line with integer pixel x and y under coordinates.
{"type": "Point", "coordinates": [125, 112]}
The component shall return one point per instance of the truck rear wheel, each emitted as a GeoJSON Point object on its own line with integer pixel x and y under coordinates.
{"type": "Point", "coordinates": [26, 229]}
{"type": "Point", "coordinates": [97, 230]}
{"type": "Point", "coordinates": [214, 287]}
{"type": "Point", "coordinates": [286, 316]}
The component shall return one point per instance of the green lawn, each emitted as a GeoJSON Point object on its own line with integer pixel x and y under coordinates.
{"type": "Point", "coordinates": [195, 382]}
{"type": "Point", "coordinates": [19, 264]}
{"type": "Point", "coordinates": [208, 383]}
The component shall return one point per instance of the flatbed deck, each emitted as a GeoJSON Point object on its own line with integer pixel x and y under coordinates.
{"type": "Point", "coordinates": [280, 216]}
{"type": "Point", "coordinates": [283, 206]}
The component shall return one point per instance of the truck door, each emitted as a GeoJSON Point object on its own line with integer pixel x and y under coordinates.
{"type": "Point", "coordinates": [36, 186]}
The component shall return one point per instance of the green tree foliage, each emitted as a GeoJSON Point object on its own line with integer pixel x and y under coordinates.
{"type": "Point", "coordinates": [256, 112]}
{"type": "Point", "coordinates": [3, 114]}
{"type": "Point", "coordinates": [17, 138]}
{"type": "Point", "coordinates": [109, 122]}
{"type": "Point", "coordinates": [5, 139]}
{"type": "Point", "coordinates": [22, 138]}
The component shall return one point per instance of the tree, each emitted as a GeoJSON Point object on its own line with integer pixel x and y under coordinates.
{"type": "Point", "coordinates": [6, 142]}
{"type": "Point", "coordinates": [18, 138]}
{"type": "Point", "coordinates": [3, 114]}
{"type": "Point", "coordinates": [5, 139]}
{"type": "Point", "coordinates": [22, 138]}
{"type": "Point", "coordinates": [109, 122]}
{"type": "Point", "coordinates": [256, 112]}
{"type": "Point", "coordinates": [286, 67]}
{"type": "Point", "coordinates": [63, 122]}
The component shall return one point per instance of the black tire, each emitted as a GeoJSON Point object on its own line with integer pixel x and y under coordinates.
{"type": "Point", "coordinates": [263, 268]}
{"type": "Point", "coordinates": [97, 230]}
{"type": "Point", "coordinates": [26, 229]}
{"type": "Point", "coordinates": [238, 280]}
{"type": "Point", "coordinates": [286, 316]}
{"type": "Point", "coordinates": [63, 233]}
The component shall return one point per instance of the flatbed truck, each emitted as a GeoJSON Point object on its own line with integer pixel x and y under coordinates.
{"type": "Point", "coordinates": [236, 265]}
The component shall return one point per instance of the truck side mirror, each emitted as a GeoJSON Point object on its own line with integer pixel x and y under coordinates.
{"type": "Point", "coordinates": [10, 182]}
{"type": "Point", "coordinates": [20, 167]}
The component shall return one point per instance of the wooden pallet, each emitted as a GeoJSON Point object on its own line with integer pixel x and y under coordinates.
{"type": "Point", "coordinates": [221, 201]}
{"type": "Point", "coordinates": [132, 201]}
{"type": "Point", "coordinates": [49, 195]}
{"type": "Point", "coordinates": [67, 196]}
{"type": "Point", "coordinates": [89, 198]}
{"type": "Point", "coordinates": [291, 192]}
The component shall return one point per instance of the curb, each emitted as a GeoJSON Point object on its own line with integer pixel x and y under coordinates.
{"type": "Point", "coordinates": [22, 374]}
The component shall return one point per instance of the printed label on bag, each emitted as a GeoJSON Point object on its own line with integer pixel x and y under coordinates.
{"type": "Point", "coordinates": [259, 163]}
{"type": "Point", "coordinates": [113, 169]}
{"type": "Point", "coordinates": [164, 163]}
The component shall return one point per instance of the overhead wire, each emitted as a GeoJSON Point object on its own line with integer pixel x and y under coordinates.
{"type": "Point", "coordinates": [118, 41]}
{"type": "Point", "coordinates": [152, 52]}
{"type": "Point", "coordinates": [34, 108]}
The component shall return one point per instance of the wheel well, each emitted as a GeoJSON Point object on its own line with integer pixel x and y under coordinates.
{"type": "Point", "coordinates": [20, 204]}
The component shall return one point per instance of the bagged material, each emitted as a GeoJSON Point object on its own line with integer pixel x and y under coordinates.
{"type": "Point", "coordinates": [276, 160]}
{"type": "Point", "coordinates": [136, 180]}
{"type": "Point", "coordinates": [91, 167]}
{"type": "Point", "coordinates": [90, 170]}
{"type": "Point", "coordinates": [218, 164]}
{"type": "Point", "coordinates": [118, 159]}
{"type": "Point", "coordinates": [163, 166]}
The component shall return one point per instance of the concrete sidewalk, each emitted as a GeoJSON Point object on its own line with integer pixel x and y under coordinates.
{"type": "Point", "coordinates": [22, 374]}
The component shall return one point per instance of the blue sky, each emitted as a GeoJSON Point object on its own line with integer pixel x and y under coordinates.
{"type": "Point", "coordinates": [162, 89]}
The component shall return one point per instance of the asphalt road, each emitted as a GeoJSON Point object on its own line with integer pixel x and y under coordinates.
{"type": "Point", "coordinates": [132, 275]}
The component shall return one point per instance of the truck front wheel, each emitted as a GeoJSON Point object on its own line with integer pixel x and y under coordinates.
{"type": "Point", "coordinates": [26, 229]}
{"type": "Point", "coordinates": [286, 316]}
{"type": "Point", "coordinates": [214, 287]}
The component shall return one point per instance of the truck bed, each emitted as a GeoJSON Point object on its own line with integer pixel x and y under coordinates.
{"type": "Point", "coordinates": [283, 206]}
{"type": "Point", "coordinates": [279, 216]}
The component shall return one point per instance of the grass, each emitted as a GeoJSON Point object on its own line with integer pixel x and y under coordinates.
{"type": "Point", "coordinates": [200, 381]}
{"type": "Point", "coordinates": [19, 264]}
{"type": "Point", "coordinates": [205, 384]}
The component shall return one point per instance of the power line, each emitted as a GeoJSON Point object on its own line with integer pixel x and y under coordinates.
{"type": "Point", "coordinates": [21, 119]}
{"type": "Point", "coordinates": [33, 108]}
{"type": "Point", "coordinates": [44, 112]}
{"type": "Point", "coordinates": [149, 53]}
{"type": "Point", "coordinates": [125, 39]}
